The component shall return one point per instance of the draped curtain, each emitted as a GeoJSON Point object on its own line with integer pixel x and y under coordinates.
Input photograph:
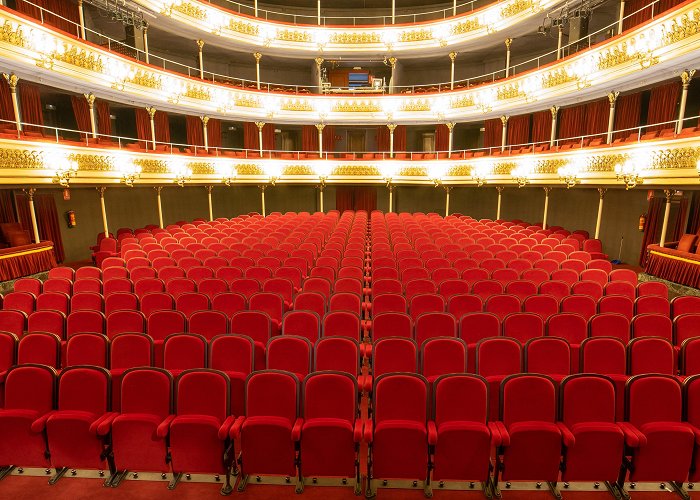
{"type": "Point", "coordinates": [214, 132]}
{"type": "Point", "coordinates": [47, 220]}
{"type": "Point", "coordinates": [442, 137]}
{"type": "Point", "coordinates": [678, 228]}
{"type": "Point", "coordinates": [518, 129]}
{"type": "Point", "coordinates": [250, 136]}
{"type": "Point", "coordinates": [572, 121]}
{"type": "Point", "coordinates": [7, 208]}
{"type": "Point", "coordinates": [309, 138]}
{"type": "Point", "coordinates": [104, 122]}
{"type": "Point", "coordinates": [6, 111]}
{"type": "Point", "coordinates": [493, 130]}
{"type": "Point", "coordinates": [400, 138]}
{"type": "Point", "coordinates": [356, 198]}
{"type": "Point", "coordinates": [627, 113]}
{"type": "Point", "coordinates": [195, 132]}
{"type": "Point", "coordinates": [383, 138]}
{"type": "Point", "coordinates": [143, 127]}
{"type": "Point", "coordinates": [162, 126]}
{"type": "Point", "coordinates": [329, 139]}
{"type": "Point", "coordinates": [654, 218]}
{"type": "Point", "coordinates": [541, 126]}
{"type": "Point", "coordinates": [694, 217]}
{"type": "Point", "coordinates": [81, 110]}
{"type": "Point", "coordinates": [636, 18]}
{"type": "Point", "coordinates": [597, 115]}
{"type": "Point", "coordinates": [30, 105]}
{"type": "Point", "coordinates": [663, 105]}
{"type": "Point", "coordinates": [64, 11]}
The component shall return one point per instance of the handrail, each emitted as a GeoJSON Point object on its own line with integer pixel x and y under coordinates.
{"type": "Point", "coordinates": [63, 136]}
{"type": "Point", "coordinates": [167, 64]}
{"type": "Point", "coordinates": [380, 20]}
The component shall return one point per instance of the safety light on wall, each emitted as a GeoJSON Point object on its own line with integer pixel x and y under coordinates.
{"type": "Point", "coordinates": [273, 171]}
{"type": "Point", "coordinates": [480, 174]}
{"type": "Point", "coordinates": [323, 170]}
{"type": "Point", "coordinates": [181, 172]}
{"type": "Point", "coordinates": [66, 170]}
{"type": "Point", "coordinates": [129, 171]}
{"type": "Point", "coordinates": [630, 172]}
{"type": "Point", "coordinates": [522, 172]}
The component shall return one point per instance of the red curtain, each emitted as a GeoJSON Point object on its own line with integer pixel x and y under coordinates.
{"type": "Point", "coordinates": [383, 138]}
{"type": "Point", "coordinates": [400, 138]}
{"type": "Point", "coordinates": [633, 6]}
{"type": "Point", "coordinates": [6, 111]}
{"type": "Point", "coordinates": [7, 208]}
{"type": "Point", "coordinates": [104, 122]}
{"type": "Point", "coordinates": [572, 121]}
{"type": "Point", "coordinates": [162, 127]}
{"type": "Point", "coordinates": [597, 116]}
{"type": "Point", "coordinates": [81, 110]}
{"type": "Point", "coordinates": [654, 217]}
{"type": "Point", "coordinates": [309, 138]}
{"type": "Point", "coordinates": [493, 130]}
{"type": "Point", "coordinates": [518, 129]}
{"type": "Point", "coordinates": [442, 137]}
{"type": "Point", "coordinates": [627, 113]}
{"type": "Point", "coordinates": [663, 105]}
{"type": "Point", "coordinates": [195, 132]}
{"type": "Point", "coordinates": [329, 138]}
{"type": "Point", "coordinates": [214, 132]}
{"type": "Point", "coordinates": [355, 198]}
{"type": "Point", "coordinates": [694, 218]}
{"type": "Point", "coordinates": [679, 229]}
{"type": "Point", "coordinates": [65, 10]}
{"type": "Point", "coordinates": [250, 136]}
{"type": "Point", "coordinates": [46, 219]}
{"type": "Point", "coordinates": [542, 126]}
{"type": "Point", "coordinates": [30, 106]}
{"type": "Point", "coordinates": [143, 126]}
{"type": "Point", "coordinates": [664, 5]}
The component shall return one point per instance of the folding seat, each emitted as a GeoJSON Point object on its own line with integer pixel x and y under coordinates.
{"type": "Point", "coordinates": [156, 301]}
{"type": "Point", "coordinates": [58, 285]}
{"type": "Point", "coordinates": [682, 304]}
{"type": "Point", "coordinates": [542, 305]}
{"type": "Point", "coordinates": [652, 325]}
{"type": "Point", "coordinates": [29, 285]}
{"type": "Point", "coordinates": [178, 286]}
{"type": "Point", "coordinates": [536, 276]}
{"type": "Point", "coordinates": [497, 358]}
{"type": "Point", "coordinates": [319, 285]}
{"type": "Point", "coordinates": [393, 355]}
{"type": "Point", "coordinates": [256, 325]}
{"type": "Point", "coordinates": [597, 275]}
{"type": "Point", "coordinates": [459, 305]}
{"type": "Point", "coordinates": [88, 272]}
{"type": "Point", "coordinates": [619, 304]}
{"type": "Point", "coordinates": [610, 325]}
{"type": "Point", "coordinates": [113, 267]}
{"type": "Point", "coordinates": [339, 354]}
{"type": "Point", "coordinates": [48, 321]}
{"type": "Point", "coordinates": [686, 326]}
{"type": "Point", "coordinates": [624, 275]}
{"type": "Point", "coordinates": [607, 356]}
{"type": "Point", "coordinates": [600, 264]}
{"type": "Point", "coordinates": [434, 324]}
{"type": "Point", "coordinates": [292, 274]}
{"type": "Point", "coordinates": [620, 288]}
{"type": "Point", "coordinates": [67, 273]}
{"type": "Point", "coordinates": [136, 262]}
{"type": "Point", "coordinates": [343, 324]}
{"type": "Point", "coordinates": [392, 324]}
{"type": "Point", "coordinates": [258, 273]}
{"type": "Point", "coordinates": [186, 263]}
{"type": "Point", "coordinates": [189, 303]}
{"type": "Point", "coordinates": [486, 288]}
{"type": "Point", "coordinates": [382, 286]}
{"type": "Point", "coordinates": [442, 274]}
{"type": "Point", "coordinates": [41, 348]}
{"type": "Point", "coordinates": [652, 304]}
{"type": "Point", "coordinates": [125, 321]}
{"type": "Point", "coordinates": [19, 301]}
{"type": "Point", "coordinates": [270, 303]}
{"type": "Point", "coordinates": [269, 433]}
{"type": "Point", "coordinates": [208, 324]}
{"type": "Point", "coordinates": [228, 273]}
{"type": "Point", "coordinates": [522, 326]}
{"type": "Point", "coordinates": [475, 275]}
{"type": "Point", "coordinates": [651, 355]}
{"type": "Point", "coordinates": [140, 273]}
{"type": "Point", "coordinates": [549, 356]}
{"type": "Point", "coordinates": [426, 302]}
{"type": "Point", "coordinates": [85, 321]}
{"type": "Point", "coordinates": [419, 286]}
{"type": "Point", "coordinates": [651, 288]}
{"type": "Point", "coordinates": [122, 301]}
{"type": "Point", "coordinates": [441, 356]}
{"type": "Point", "coordinates": [233, 355]}
{"type": "Point", "coordinates": [229, 303]}
{"type": "Point", "coordinates": [305, 324]}
{"type": "Point", "coordinates": [502, 305]}
{"type": "Point", "coordinates": [168, 273]}
{"type": "Point", "coordinates": [87, 285]}
{"type": "Point", "coordinates": [464, 263]}
{"type": "Point", "coordinates": [117, 285]}
{"type": "Point", "coordinates": [148, 285]}
{"type": "Point", "coordinates": [160, 324]}
{"type": "Point", "coordinates": [291, 354]}
{"type": "Point", "coordinates": [184, 351]}
{"type": "Point", "coordinates": [693, 418]}
{"type": "Point", "coordinates": [531, 441]}
{"type": "Point", "coordinates": [579, 304]}
{"type": "Point", "coordinates": [659, 442]}
{"type": "Point", "coordinates": [521, 289]}
{"type": "Point", "coordinates": [199, 432]}
{"type": "Point", "coordinates": [282, 287]}
{"type": "Point", "coordinates": [475, 326]}
{"type": "Point", "coordinates": [398, 433]}
{"type": "Point", "coordinates": [567, 276]}
{"type": "Point", "coordinates": [594, 443]}
{"type": "Point", "coordinates": [77, 431]}
{"type": "Point", "coordinates": [578, 266]}
{"type": "Point", "coordinates": [450, 287]}
{"type": "Point", "coordinates": [589, 288]}
{"type": "Point", "coordinates": [128, 350]}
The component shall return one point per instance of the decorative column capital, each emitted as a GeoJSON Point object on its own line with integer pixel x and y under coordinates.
{"type": "Point", "coordinates": [263, 187]}
{"type": "Point", "coordinates": [205, 120]}
{"type": "Point", "coordinates": [158, 189]}
{"type": "Point", "coordinates": [320, 127]}
{"type": "Point", "coordinates": [101, 191]}
{"type": "Point", "coordinates": [504, 120]}
{"type": "Point", "coordinates": [392, 62]}
{"type": "Point", "coordinates": [547, 190]}
{"type": "Point", "coordinates": [554, 110]}
{"type": "Point", "coordinates": [30, 193]}
{"type": "Point", "coordinates": [447, 188]}
{"type": "Point", "coordinates": [453, 56]}
{"type": "Point", "coordinates": [391, 127]}
{"type": "Point", "coordinates": [601, 192]}
{"type": "Point", "coordinates": [200, 44]}
{"type": "Point", "coordinates": [319, 61]}
{"type": "Point", "coordinates": [508, 42]}
{"type": "Point", "coordinates": [151, 111]}
{"type": "Point", "coordinates": [257, 56]}
{"type": "Point", "coordinates": [686, 77]}
{"type": "Point", "coordinates": [668, 193]}
{"type": "Point", "coordinates": [209, 188]}
{"type": "Point", "coordinates": [90, 98]}
{"type": "Point", "coordinates": [500, 189]}
{"type": "Point", "coordinates": [451, 125]}
{"type": "Point", "coordinates": [612, 97]}
{"type": "Point", "coordinates": [260, 125]}
{"type": "Point", "coordinates": [12, 80]}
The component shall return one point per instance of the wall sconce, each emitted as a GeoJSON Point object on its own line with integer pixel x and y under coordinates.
{"type": "Point", "coordinates": [273, 172]}
{"type": "Point", "coordinates": [129, 172]}
{"type": "Point", "coordinates": [388, 171]}
{"type": "Point", "coordinates": [569, 175]}
{"type": "Point", "coordinates": [522, 172]}
{"type": "Point", "coordinates": [323, 170]}
{"type": "Point", "coordinates": [182, 173]}
{"type": "Point", "coordinates": [66, 170]}
{"type": "Point", "coordinates": [643, 48]}
{"type": "Point", "coordinates": [229, 175]}
{"type": "Point", "coordinates": [698, 166]}
{"type": "Point", "coordinates": [480, 173]}
{"type": "Point", "coordinates": [437, 172]}
{"type": "Point", "coordinates": [629, 173]}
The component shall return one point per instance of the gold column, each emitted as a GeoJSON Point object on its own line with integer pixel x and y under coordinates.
{"type": "Point", "coordinates": [553, 136]}
{"type": "Point", "coordinates": [498, 206]}
{"type": "Point", "coordinates": [622, 17]}
{"type": "Point", "coordinates": [318, 15]}
{"type": "Point", "coordinates": [559, 40]}
{"type": "Point", "coordinates": [205, 120]}
{"type": "Point", "coordinates": [686, 77]}
{"type": "Point", "coordinates": [447, 200]}
{"type": "Point", "coordinates": [32, 212]}
{"type": "Point", "coordinates": [257, 56]}
{"type": "Point", "coordinates": [12, 81]}
{"type": "Point", "coordinates": [453, 56]}
{"type": "Point", "coordinates": [101, 190]}
{"type": "Point", "coordinates": [667, 212]}
{"type": "Point", "coordinates": [601, 194]}
{"type": "Point", "coordinates": [81, 16]}
{"type": "Point", "coordinates": [392, 63]}
{"type": "Point", "coordinates": [211, 208]}
{"type": "Point", "coordinates": [145, 43]}
{"type": "Point", "coordinates": [320, 127]}
{"type": "Point", "coordinates": [260, 126]}
{"type": "Point", "coordinates": [160, 205]}
{"type": "Point", "coordinates": [255, 6]}
{"type": "Point", "coordinates": [546, 206]}
{"type": "Point", "coordinates": [450, 127]}
{"type": "Point", "coordinates": [391, 127]}
{"type": "Point", "coordinates": [200, 46]}
{"type": "Point", "coordinates": [262, 198]}
{"type": "Point", "coordinates": [151, 114]}
{"type": "Point", "coordinates": [508, 42]}
{"type": "Point", "coordinates": [612, 97]}
{"type": "Point", "coordinates": [321, 186]}
{"type": "Point", "coordinates": [504, 132]}
{"type": "Point", "coordinates": [390, 187]}
{"type": "Point", "coordinates": [90, 98]}
{"type": "Point", "coordinates": [319, 62]}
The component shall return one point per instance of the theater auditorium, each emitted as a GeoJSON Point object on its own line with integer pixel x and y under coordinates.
{"type": "Point", "coordinates": [328, 249]}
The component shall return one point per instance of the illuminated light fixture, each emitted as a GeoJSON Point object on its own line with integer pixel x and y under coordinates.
{"type": "Point", "coordinates": [569, 173]}
{"type": "Point", "coordinates": [530, 87]}
{"type": "Point", "coordinates": [484, 99]}
{"type": "Point", "coordinates": [389, 38]}
{"type": "Point", "coordinates": [436, 172]}
{"type": "Point", "coordinates": [273, 171]}
{"type": "Point", "coordinates": [129, 171]}
{"type": "Point", "coordinates": [480, 174]}
{"type": "Point", "coordinates": [228, 175]}
{"type": "Point", "coordinates": [522, 172]}
{"type": "Point", "coordinates": [321, 37]}
{"type": "Point", "coordinates": [630, 172]}
{"type": "Point", "coordinates": [698, 166]}
{"type": "Point", "coordinates": [47, 47]}
{"type": "Point", "coordinates": [643, 48]}
{"type": "Point", "coordinates": [441, 33]}
{"type": "Point", "coordinates": [580, 70]}
{"type": "Point", "coordinates": [182, 173]}
{"type": "Point", "coordinates": [388, 170]}
{"type": "Point", "coordinates": [323, 170]}
{"type": "Point", "coordinates": [66, 170]}
{"type": "Point", "coordinates": [267, 34]}
{"type": "Point", "coordinates": [120, 72]}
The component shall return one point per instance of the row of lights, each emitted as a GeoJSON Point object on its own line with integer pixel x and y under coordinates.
{"type": "Point", "coordinates": [631, 172]}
